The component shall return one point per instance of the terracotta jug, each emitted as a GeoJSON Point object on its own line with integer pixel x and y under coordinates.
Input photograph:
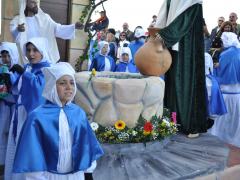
{"type": "Point", "coordinates": [153, 59]}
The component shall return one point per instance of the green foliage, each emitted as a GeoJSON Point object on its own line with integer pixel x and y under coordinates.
{"type": "Point", "coordinates": [85, 19]}
{"type": "Point", "coordinates": [160, 128]}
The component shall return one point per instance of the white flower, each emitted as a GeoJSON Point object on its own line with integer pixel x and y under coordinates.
{"type": "Point", "coordinates": [94, 126]}
{"type": "Point", "coordinates": [134, 133]}
{"type": "Point", "coordinates": [167, 123]}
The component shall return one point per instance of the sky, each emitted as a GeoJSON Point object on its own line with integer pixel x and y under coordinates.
{"type": "Point", "coordinates": [137, 12]}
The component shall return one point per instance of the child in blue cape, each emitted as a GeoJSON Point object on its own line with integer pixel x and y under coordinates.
{"type": "Point", "coordinates": [103, 62]}
{"type": "Point", "coordinates": [125, 64]}
{"type": "Point", "coordinates": [29, 86]}
{"type": "Point", "coordinates": [9, 54]}
{"type": "Point", "coordinates": [60, 142]}
{"type": "Point", "coordinates": [216, 104]}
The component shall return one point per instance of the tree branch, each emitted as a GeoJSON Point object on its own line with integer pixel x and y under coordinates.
{"type": "Point", "coordinates": [90, 14]}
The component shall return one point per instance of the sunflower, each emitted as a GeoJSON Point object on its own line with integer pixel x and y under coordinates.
{"type": "Point", "coordinates": [120, 125]}
{"type": "Point", "coordinates": [146, 133]}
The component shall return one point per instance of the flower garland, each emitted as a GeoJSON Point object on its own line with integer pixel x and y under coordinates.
{"type": "Point", "coordinates": [146, 130]}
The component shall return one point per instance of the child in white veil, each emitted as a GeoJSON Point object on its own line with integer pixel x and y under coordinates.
{"type": "Point", "coordinates": [60, 141]}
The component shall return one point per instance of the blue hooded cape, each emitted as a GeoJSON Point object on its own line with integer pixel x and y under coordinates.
{"type": "Point", "coordinates": [31, 91]}
{"type": "Point", "coordinates": [134, 46]}
{"type": "Point", "coordinates": [38, 147]}
{"type": "Point", "coordinates": [32, 86]}
{"type": "Point", "coordinates": [122, 66]}
{"type": "Point", "coordinates": [98, 63]}
{"type": "Point", "coordinates": [228, 71]}
{"type": "Point", "coordinates": [216, 104]}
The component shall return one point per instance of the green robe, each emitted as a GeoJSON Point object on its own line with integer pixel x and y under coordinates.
{"type": "Point", "coordinates": [185, 89]}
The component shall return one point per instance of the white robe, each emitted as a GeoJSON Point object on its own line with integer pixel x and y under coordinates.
{"type": "Point", "coordinates": [11, 146]}
{"type": "Point", "coordinates": [227, 127]}
{"type": "Point", "coordinates": [46, 27]}
{"type": "Point", "coordinates": [5, 117]}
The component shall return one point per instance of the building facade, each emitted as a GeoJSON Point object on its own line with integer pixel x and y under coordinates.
{"type": "Point", "coordinates": [62, 11]}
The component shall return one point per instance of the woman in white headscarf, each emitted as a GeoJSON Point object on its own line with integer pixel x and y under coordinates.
{"type": "Point", "coordinates": [61, 144]}
{"type": "Point", "coordinates": [29, 93]}
{"type": "Point", "coordinates": [125, 64]}
{"type": "Point", "coordinates": [9, 49]}
{"type": "Point", "coordinates": [103, 62]}
{"type": "Point", "coordinates": [227, 127]}
{"type": "Point", "coordinates": [9, 53]}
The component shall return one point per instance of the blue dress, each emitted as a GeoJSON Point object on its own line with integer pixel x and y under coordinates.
{"type": "Point", "coordinates": [40, 135]}
{"type": "Point", "coordinates": [31, 91]}
{"type": "Point", "coordinates": [228, 71]}
{"type": "Point", "coordinates": [134, 46]}
{"type": "Point", "coordinates": [216, 104]}
{"type": "Point", "coordinates": [33, 81]}
{"type": "Point", "coordinates": [123, 67]}
{"type": "Point", "coordinates": [98, 63]}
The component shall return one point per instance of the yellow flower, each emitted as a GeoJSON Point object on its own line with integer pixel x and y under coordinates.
{"type": "Point", "coordinates": [120, 125]}
{"type": "Point", "coordinates": [94, 72]}
{"type": "Point", "coordinates": [146, 133]}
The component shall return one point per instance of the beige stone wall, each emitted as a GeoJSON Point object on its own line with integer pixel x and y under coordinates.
{"type": "Point", "coordinates": [9, 10]}
{"type": "Point", "coordinates": [78, 44]}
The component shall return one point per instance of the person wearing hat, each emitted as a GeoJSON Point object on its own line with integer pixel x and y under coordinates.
{"type": "Point", "coordinates": [101, 23]}
{"type": "Point", "coordinates": [60, 142]}
{"type": "Point", "coordinates": [29, 87]}
{"type": "Point", "coordinates": [139, 36]}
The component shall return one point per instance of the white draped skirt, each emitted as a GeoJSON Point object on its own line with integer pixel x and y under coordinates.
{"type": "Point", "coordinates": [11, 147]}
{"type": "Point", "coordinates": [227, 127]}
{"type": "Point", "coordinates": [5, 118]}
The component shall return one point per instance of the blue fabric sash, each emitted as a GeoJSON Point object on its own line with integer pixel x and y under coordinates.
{"type": "Point", "coordinates": [216, 103]}
{"type": "Point", "coordinates": [230, 92]}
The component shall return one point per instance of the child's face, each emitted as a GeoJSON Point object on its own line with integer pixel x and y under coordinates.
{"type": "Point", "coordinates": [227, 28]}
{"type": "Point", "coordinates": [122, 36]}
{"type": "Point", "coordinates": [65, 88]}
{"type": "Point", "coordinates": [104, 49]}
{"type": "Point", "coordinates": [32, 53]}
{"type": "Point", "coordinates": [6, 58]}
{"type": "Point", "coordinates": [125, 57]}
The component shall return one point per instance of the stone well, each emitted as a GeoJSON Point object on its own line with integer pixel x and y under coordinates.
{"type": "Point", "coordinates": [109, 97]}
